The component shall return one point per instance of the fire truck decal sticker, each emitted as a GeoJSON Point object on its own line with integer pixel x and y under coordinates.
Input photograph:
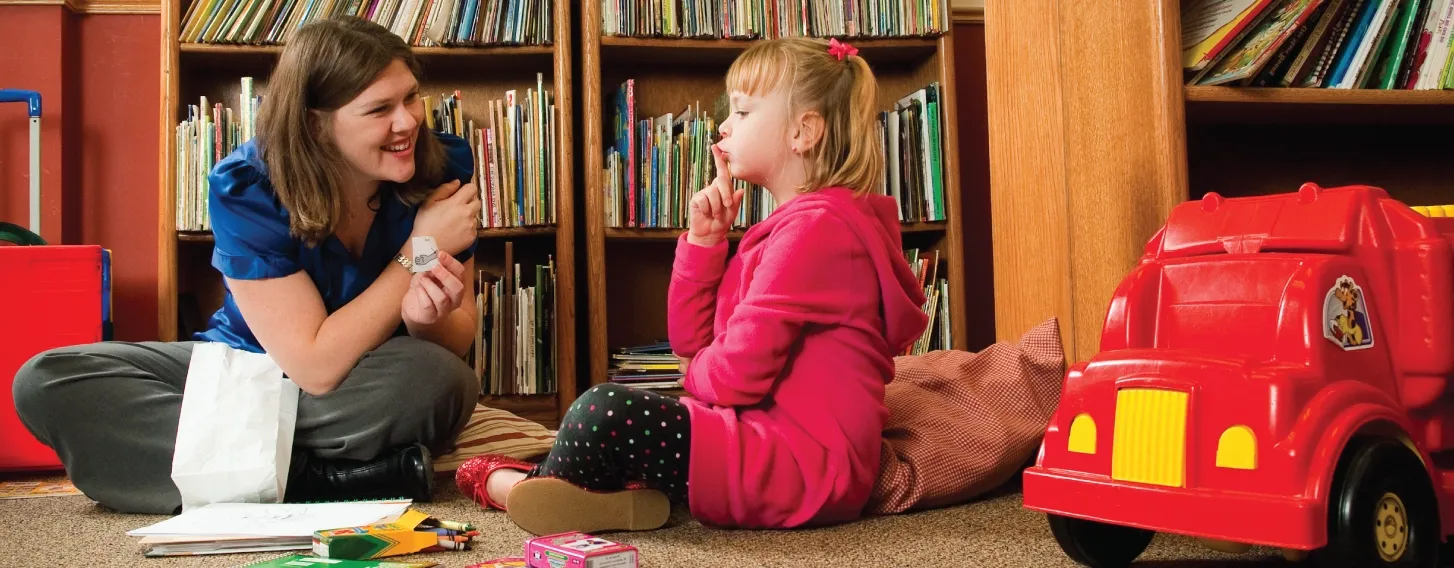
{"type": "Point", "coordinates": [1346, 315]}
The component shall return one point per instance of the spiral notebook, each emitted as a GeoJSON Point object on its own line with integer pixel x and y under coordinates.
{"type": "Point", "coordinates": [221, 528]}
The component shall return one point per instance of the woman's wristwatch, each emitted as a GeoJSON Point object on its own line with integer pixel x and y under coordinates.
{"type": "Point", "coordinates": [403, 261]}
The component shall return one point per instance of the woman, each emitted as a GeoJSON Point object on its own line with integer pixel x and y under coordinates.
{"type": "Point", "coordinates": [313, 222]}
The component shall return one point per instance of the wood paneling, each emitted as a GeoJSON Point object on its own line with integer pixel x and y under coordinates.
{"type": "Point", "coordinates": [1088, 154]}
{"type": "Point", "coordinates": [1027, 168]}
{"type": "Point", "coordinates": [95, 6]}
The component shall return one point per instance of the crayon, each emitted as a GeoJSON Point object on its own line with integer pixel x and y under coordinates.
{"type": "Point", "coordinates": [448, 545]}
{"type": "Point", "coordinates": [448, 532]}
{"type": "Point", "coordinates": [452, 525]}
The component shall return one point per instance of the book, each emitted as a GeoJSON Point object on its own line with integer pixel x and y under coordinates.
{"type": "Point", "coordinates": [221, 528]}
{"type": "Point", "coordinates": [1245, 60]}
{"type": "Point", "coordinates": [1339, 44]}
{"type": "Point", "coordinates": [301, 561]}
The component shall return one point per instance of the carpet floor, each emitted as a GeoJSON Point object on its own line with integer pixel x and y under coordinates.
{"type": "Point", "coordinates": [991, 532]}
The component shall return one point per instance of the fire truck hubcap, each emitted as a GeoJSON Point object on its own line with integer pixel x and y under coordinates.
{"type": "Point", "coordinates": [1391, 527]}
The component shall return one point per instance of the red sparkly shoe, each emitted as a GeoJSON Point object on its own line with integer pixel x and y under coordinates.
{"type": "Point", "coordinates": [474, 472]}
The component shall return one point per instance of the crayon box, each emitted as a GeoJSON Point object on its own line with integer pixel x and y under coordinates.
{"type": "Point", "coordinates": [375, 541]}
{"type": "Point", "coordinates": [578, 550]}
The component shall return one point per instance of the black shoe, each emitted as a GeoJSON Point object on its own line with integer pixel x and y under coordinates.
{"type": "Point", "coordinates": [406, 472]}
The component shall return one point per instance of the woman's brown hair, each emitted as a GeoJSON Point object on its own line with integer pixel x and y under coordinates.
{"type": "Point", "coordinates": [325, 65]}
{"type": "Point", "coordinates": [843, 92]}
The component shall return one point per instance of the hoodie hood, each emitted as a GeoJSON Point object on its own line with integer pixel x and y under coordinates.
{"type": "Point", "coordinates": [875, 219]}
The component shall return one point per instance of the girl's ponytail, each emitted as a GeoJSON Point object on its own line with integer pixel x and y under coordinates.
{"type": "Point", "coordinates": [862, 162]}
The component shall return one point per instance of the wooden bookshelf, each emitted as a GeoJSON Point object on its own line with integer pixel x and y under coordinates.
{"type": "Point", "coordinates": [1088, 156]}
{"type": "Point", "coordinates": [628, 269]}
{"type": "Point", "coordinates": [191, 70]}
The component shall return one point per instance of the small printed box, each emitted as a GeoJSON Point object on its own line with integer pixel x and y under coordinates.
{"type": "Point", "coordinates": [578, 550]}
{"type": "Point", "coordinates": [385, 539]}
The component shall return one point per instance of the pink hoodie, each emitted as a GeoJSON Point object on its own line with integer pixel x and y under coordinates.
{"type": "Point", "coordinates": [792, 342]}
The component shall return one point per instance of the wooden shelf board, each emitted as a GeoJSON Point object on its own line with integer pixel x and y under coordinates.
{"type": "Point", "coordinates": [440, 62]}
{"type": "Point", "coordinates": [506, 232]}
{"type": "Point", "coordinates": [1238, 105]}
{"type": "Point", "coordinates": [194, 236]}
{"type": "Point", "coordinates": [536, 407]}
{"type": "Point", "coordinates": [240, 49]}
{"type": "Point", "coordinates": [669, 234]}
{"type": "Point", "coordinates": [495, 233]}
{"type": "Point", "coordinates": [721, 51]}
{"type": "Point", "coordinates": [1318, 96]}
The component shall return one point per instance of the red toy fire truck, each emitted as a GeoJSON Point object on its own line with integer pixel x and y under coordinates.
{"type": "Point", "coordinates": [1274, 373]}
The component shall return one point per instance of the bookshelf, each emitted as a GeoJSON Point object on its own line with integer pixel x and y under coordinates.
{"type": "Point", "coordinates": [190, 289]}
{"type": "Point", "coordinates": [1126, 139]}
{"type": "Point", "coordinates": [628, 269]}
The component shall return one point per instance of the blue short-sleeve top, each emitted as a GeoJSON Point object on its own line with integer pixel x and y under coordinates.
{"type": "Point", "coordinates": [252, 240]}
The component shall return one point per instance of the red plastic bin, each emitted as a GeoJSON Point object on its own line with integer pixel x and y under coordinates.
{"type": "Point", "coordinates": [51, 297]}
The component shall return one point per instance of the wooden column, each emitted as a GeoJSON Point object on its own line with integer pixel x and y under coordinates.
{"type": "Point", "coordinates": [1087, 154]}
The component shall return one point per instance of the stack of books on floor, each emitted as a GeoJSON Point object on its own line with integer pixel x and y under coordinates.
{"type": "Point", "coordinates": [754, 19]}
{"type": "Point", "coordinates": [651, 366]}
{"type": "Point", "coordinates": [1333, 44]}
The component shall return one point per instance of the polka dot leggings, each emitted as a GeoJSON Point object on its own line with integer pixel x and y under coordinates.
{"type": "Point", "coordinates": [615, 434]}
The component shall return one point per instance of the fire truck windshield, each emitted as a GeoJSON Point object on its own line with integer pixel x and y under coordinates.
{"type": "Point", "coordinates": [1224, 304]}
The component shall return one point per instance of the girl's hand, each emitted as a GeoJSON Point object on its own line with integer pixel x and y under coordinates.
{"type": "Point", "coordinates": [714, 208]}
{"type": "Point", "coordinates": [435, 293]}
{"type": "Point", "coordinates": [682, 364]}
{"type": "Point", "coordinates": [451, 215]}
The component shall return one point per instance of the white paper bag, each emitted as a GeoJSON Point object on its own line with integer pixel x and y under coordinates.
{"type": "Point", "coordinates": [235, 435]}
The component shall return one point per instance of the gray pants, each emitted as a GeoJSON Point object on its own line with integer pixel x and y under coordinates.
{"type": "Point", "coordinates": [110, 411]}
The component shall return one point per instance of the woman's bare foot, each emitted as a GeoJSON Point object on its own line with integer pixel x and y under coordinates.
{"type": "Point", "coordinates": [500, 482]}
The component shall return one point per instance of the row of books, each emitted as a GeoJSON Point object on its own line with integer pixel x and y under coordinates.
{"type": "Point", "coordinates": [937, 335]}
{"type": "Point", "coordinates": [210, 132]}
{"type": "Point", "coordinates": [654, 165]}
{"type": "Point", "coordinates": [912, 138]}
{"type": "Point", "coordinates": [515, 152]}
{"type": "Point", "coordinates": [1338, 44]}
{"type": "Point", "coordinates": [448, 23]}
{"type": "Point", "coordinates": [515, 342]}
{"type": "Point", "coordinates": [752, 19]}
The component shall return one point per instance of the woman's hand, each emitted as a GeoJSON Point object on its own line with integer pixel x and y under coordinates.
{"type": "Point", "coordinates": [435, 293]}
{"type": "Point", "coordinates": [714, 207]}
{"type": "Point", "coordinates": [451, 215]}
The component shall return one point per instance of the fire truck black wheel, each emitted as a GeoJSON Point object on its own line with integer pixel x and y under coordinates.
{"type": "Point", "coordinates": [1099, 545]}
{"type": "Point", "coordinates": [1381, 510]}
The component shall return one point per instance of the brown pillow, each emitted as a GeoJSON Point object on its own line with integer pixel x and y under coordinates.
{"type": "Point", "coordinates": [962, 423]}
{"type": "Point", "coordinates": [495, 431]}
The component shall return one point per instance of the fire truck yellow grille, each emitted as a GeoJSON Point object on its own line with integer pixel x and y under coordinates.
{"type": "Point", "coordinates": [1150, 437]}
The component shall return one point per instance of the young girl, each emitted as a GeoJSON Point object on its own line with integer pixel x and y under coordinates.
{"type": "Point", "coordinates": [312, 221]}
{"type": "Point", "coordinates": [786, 347]}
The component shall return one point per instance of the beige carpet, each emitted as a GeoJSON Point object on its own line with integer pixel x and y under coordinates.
{"type": "Point", "coordinates": [994, 532]}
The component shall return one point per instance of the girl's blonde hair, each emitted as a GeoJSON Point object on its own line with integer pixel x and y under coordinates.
{"type": "Point", "coordinates": [842, 92]}
{"type": "Point", "coordinates": [325, 65]}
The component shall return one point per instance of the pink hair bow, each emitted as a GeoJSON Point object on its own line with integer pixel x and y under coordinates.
{"type": "Point", "coordinates": [840, 49]}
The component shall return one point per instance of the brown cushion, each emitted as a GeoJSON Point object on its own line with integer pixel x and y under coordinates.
{"type": "Point", "coordinates": [962, 423]}
{"type": "Point", "coordinates": [495, 431]}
